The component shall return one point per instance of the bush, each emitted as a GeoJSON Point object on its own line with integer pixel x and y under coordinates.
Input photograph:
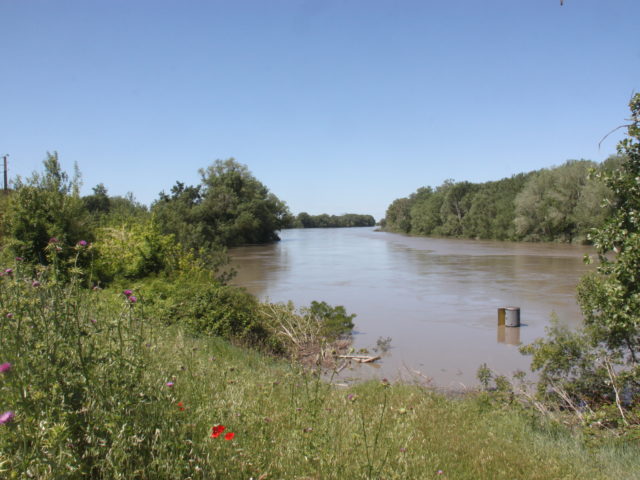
{"type": "Point", "coordinates": [74, 384]}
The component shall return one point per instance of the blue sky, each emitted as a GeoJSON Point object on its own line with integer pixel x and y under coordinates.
{"type": "Point", "coordinates": [336, 106]}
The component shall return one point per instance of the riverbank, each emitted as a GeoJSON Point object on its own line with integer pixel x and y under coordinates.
{"type": "Point", "coordinates": [108, 391]}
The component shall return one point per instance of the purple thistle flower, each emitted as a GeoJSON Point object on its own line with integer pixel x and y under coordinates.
{"type": "Point", "coordinates": [6, 417]}
{"type": "Point", "coordinates": [19, 259]}
{"type": "Point", "coordinates": [82, 243]}
{"type": "Point", "coordinates": [53, 240]}
{"type": "Point", "coordinates": [9, 315]}
{"type": "Point", "coordinates": [133, 299]}
{"type": "Point", "coordinates": [8, 271]}
{"type": "Point", "coordinates": [35, 283]}
{"type": "Point", "coordinates": [94, 321]}
{"type": "Point", "coordinates": [169, 384]}
{"type": "Point", "coordinates": [127, 293]}
{"type": "Point", "coordinates": [5, 367]}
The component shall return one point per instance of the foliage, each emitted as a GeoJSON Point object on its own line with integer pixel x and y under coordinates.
{"type": "Point", "coordinates": [598, 366]}
{"type": "Point", "coordinates": [134, 251]}
{"type": "Point", "coordinates": [555, 203]}
{"type": "Point", "coordinates": [334, 320]}
{"type": "Point", "coordinates": [148, 411]}
{"type": "Point", "coordinates": [304, 220]}
{"type": "Point", "coordinates": [230, 207]}
{"type": "Point", "coordinates": [558, 204]}
{"type": "Point", "coordinates": [45, 206]}
{"type": "Point", "coordinates": [76, 381]}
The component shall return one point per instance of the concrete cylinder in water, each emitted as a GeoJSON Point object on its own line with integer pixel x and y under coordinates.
{"type": "Point", "coordinates": [512, 317]}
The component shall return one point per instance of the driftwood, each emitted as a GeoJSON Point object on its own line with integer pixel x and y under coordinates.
{"type": "Point", "coordinates": [361, 358]}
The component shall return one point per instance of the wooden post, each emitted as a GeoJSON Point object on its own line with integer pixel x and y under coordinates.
{"type": "Point", "coordinates": [501, 316]}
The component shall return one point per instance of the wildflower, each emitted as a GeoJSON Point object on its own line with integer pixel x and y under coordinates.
{"type": "Point", "coordinates": [94, 321]}
{"type": "Point", "coordinates": [6, 417]}
{"type": "Point", "coordinates": [8, 271]}
{"type": "Point", "coordinates": [5, 367]}
{"type": "Point", "coordinates": [439, 472]}
{"type": "Point", "coordinates": [181, 406]}
{"type": "Point", "coordinates": [9, 315]}
{"type": "Point", "coordinates": [35, 283]}
{"type": "Point", "coordinates": [229, 436]}
{"type": "Point", "coordinates": [133, 299]}
{"type": "Point", "coordinates": [169, 384]}
{"type": "Point", "coordinates": [82, 243]}
{"type": "Point", "coordinates": [127, 293]}
{"type": "Point", "coordinates": [53, 240]}
{"type": "Point", "coordinates": [403, 450]}
{"type": "Point", "coordinates": [217, 430]}
{"type": "Point", "coordinates": [19, 259]}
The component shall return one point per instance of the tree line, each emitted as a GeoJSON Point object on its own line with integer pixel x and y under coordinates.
{"type": "Point", "coordinates": [304, 220]}
{"type": "Point", "coordinates": [553, 204]}
{"type": "Point", "coordinates": [227, 208]}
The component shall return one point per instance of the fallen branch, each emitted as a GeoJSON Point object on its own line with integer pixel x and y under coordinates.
{"type": "Point", "coordinates": [361, 358]}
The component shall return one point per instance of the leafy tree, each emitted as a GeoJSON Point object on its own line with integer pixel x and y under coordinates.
{"type": "Point", "coordinates": [547, 206]}
{"type": "Point", "coordinates": [230, 207]}
{"type": "Point", "coordinates": [47, 205]}
{"type": "Point", "coordinates": [99, 202]}
{"type": "Point", "coordinates": [603, 359]}
{"type": "Point", "coordinates": [425, 212]}
{"type": "Point", "coordinates": [398, 216]}
{"type": "Point", "coordinates": [456, 203]}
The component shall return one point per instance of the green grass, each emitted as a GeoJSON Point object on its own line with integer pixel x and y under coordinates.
{"type": "Point", "coordinates": [91, 401]}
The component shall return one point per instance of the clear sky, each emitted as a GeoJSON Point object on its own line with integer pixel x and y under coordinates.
{"type": "Point", "coordinates": [336, 106]}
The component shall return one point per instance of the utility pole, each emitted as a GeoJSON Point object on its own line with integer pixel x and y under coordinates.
{"type": "Point", "coordinates": [6, 187]}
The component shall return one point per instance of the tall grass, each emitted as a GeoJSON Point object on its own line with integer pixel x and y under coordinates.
{"type": "Point", "coordinates": [100, 391]}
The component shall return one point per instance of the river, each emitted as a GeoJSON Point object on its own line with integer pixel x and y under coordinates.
{"type": "Point", "coordinates": [437, 299]}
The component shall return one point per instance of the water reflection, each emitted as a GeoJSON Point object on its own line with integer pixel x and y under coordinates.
{"type": "Point", "coordinates": [436, 298]}
{"type": "Point", "coordinates": [509, 335]}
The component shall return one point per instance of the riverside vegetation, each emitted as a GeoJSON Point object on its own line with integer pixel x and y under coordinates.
{"type": "Point", "coordinates": [125, 354]}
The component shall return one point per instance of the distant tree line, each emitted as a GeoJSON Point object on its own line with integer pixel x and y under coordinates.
{"type": "Point", "coordinates": [555, 204]}
{"type": "Point", "coordinates": [304, 220]}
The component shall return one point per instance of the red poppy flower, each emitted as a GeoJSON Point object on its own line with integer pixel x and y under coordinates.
{"type": "Point", "coordinates": [181, 406]}
{"type": "Point", "coordinates": [229, 436]}
{"type": "Point", "coordinates": [217, 431]}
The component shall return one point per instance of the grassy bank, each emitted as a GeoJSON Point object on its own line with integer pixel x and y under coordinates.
{"type": "Point", "coordinates": [96, 387]}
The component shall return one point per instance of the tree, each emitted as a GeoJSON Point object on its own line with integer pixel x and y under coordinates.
{"type": "Point", "coordinates": [546, 206]}
{"type": "Point", "coordinates": [602, 360]}
{"type": "Point", "coordinates": [230, 207]}
{"type": "Point", "coordinates": [46, 206]}
{"type": "Point", "coordinates": [398, 217]}
{"type": "Point", "coordinates": [99, 202]}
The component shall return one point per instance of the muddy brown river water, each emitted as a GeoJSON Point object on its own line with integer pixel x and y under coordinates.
{"type": "Point", "coordinates": [436, 298]}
